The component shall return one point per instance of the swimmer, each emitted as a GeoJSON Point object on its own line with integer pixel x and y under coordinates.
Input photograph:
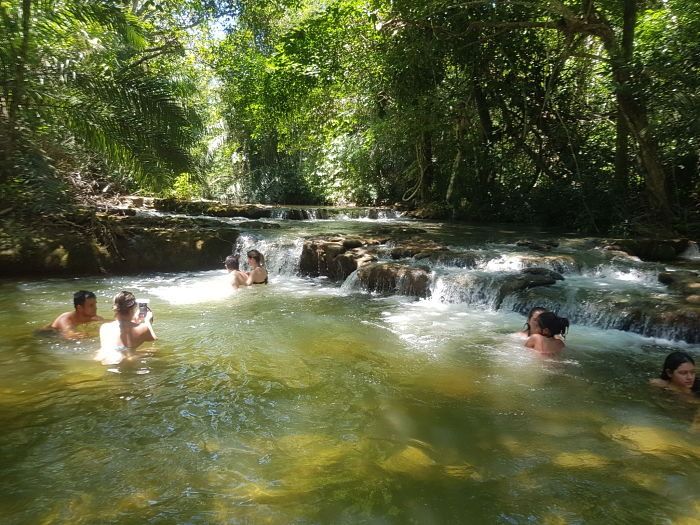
{"type": "Point", "coordinates": [257, 274]}
{"type": "Point", "coordinates": [127, 332]}
{"type": "Point", "coordinates": [547, 334]}
{"type": "Point", "coordinates": [678, 374]}
{"type": "Point", "coordinates": [85, 311]}
{"type": "Point", "coordinates": [232, 265]}
{"type": "Point", "coordinates": [532, 316]}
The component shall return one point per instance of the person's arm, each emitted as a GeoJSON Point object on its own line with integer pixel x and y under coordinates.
{"type": "Point", "coordinates": [143, 332]}
{"type": "Point", "coordinates": [257, 273]}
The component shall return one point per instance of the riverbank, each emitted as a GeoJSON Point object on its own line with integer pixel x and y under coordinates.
{"type": "Point", "coordinates": [90, 242]}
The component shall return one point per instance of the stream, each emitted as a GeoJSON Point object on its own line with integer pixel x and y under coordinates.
{"type": "Point", "coordinates": [311, 401]}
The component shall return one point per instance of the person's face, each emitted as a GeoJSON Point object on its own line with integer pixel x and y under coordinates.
{"type": "Point", "coordinates": [88, 308]}
{"type": "Point", "coordinates": [251, 261]}
{"type": "Point", "coordinates": [683, 376]}
{"type": "Point", "coordinates": [534, 325]}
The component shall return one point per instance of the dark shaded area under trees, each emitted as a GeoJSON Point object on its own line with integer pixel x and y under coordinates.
{"type": "Point", "coordinates": [580, 114]}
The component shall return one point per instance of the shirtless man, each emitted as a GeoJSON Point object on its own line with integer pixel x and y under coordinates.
{"type": "Point", "coordinates": [85, 304]}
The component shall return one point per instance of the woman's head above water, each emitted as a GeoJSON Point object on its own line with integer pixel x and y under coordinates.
{"type": "Point", "coordinates": [124, 303]}
{"type": "Point", "coordinates": [232, 262]}
{"type": "Point", "coordinates": [532, 316]}
{"type": "Point", "coordinates": [549, 324]}
{"type": "Point", "coordinates": [679, 370]}
{"type": "Point", "coordinates": [256, 256]}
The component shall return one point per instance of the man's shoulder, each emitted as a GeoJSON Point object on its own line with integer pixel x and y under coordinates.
{"type": "Point", "coordinates": [63, 321]}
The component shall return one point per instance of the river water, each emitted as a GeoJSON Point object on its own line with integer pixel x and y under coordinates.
{"type": "Point", "coordinates": [307, 401]}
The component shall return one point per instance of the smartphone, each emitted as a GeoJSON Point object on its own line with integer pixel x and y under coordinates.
{"type": "Point", "coordinates": [143, 308]}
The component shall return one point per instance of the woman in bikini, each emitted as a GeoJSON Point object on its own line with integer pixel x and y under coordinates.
{"type": "Point", "coordinates": [256, 275]}
{"type": "Point", "coordinates": [127, 332]}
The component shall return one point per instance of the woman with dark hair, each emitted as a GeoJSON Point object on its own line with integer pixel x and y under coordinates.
{"type": "Point", "coordinates": [257, 273]}
{"type": "Point", "coordinates": [678, 374]}
{"type": "Point", "coordinates": [547, 333]}
{"type": "Point", "coordinates": [127, 332]}
{"type": "Point", "coordinates": [532, 316]}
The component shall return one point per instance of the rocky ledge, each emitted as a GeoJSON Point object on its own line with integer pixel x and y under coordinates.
{"type": "Point", "coordinates": [87, 242]}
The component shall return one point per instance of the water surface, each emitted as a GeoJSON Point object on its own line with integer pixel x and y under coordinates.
{"type": "Point", "coordinates": [307, 402]}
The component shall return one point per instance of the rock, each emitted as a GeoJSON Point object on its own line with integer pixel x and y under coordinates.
{"type": "Point", "coordinates": [557, 263]}
{"type": "Point", "coordinates": [543, 271]}
{"type": "Point", "coordinates": [450, 258]}
{"type": "Point", "coordinates": [673, 278]}
{"type": "Point", "coordinates": [651, 249]}
{"type": "Point", "coordinates": [543, 246]}
{"type": "Point", "coordinates": [394, 278]}
{"type": "Point", "coordinates": [114, 244]}
{"type": "Point", "coordinates": [513, 283]}
{"type": "Point", "coordinates": [332, 258]}
{"type": "Point", "coordinates": [414, 248]}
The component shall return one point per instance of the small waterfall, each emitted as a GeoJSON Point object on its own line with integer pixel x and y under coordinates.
{"type": "Point", "coordinates": [472, 288]}
{"type": "Point", "coordinates": [281, 255]}
{"type": "Point", "coordinates": [279, 213]}
{"type": "Point", "coordinates": [692, 252]}
{"type": "Point", "coordinates": [351, 283]}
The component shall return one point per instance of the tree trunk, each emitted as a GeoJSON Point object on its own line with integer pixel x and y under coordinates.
{"type": "Point", "coordinates": [460, 126]}
{"type": "Point", "coordinates": [426, 166]}
{"type": "Point", "coordinates": [622, 135]}
{"type": "Point", "coordinates": [21, 60]}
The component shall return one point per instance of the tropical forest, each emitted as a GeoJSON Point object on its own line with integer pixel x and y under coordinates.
{"type": "Point", "coordinates": [476, 227]}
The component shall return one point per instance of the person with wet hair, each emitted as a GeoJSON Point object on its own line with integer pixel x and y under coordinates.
{"type": "Point", "coordinates": [547, 333]}
{"type": "Point", "coordinates": [232, 263]}
{"type": "Point", "coordinates": [127, 332]}
{"type": "Point", "coordinates": [532, 316]}
{"type": "Point", "coordinates": [678, 374]}
{"type": "Point", "coordinates": [85, 311]}
{"type": "Point", "coordinates": [257, 273]}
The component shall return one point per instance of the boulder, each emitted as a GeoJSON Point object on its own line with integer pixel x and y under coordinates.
{"type": "Point", "coordinates": [393, 278]}
{"type": "Point", "coordinates": [512, 283]}
{"type": "Point", "coordinates": [650, 249]}
{"type": "Point", "coordinates": [415, 248]}
{"type": "Point", "coordinates": [333, 257]}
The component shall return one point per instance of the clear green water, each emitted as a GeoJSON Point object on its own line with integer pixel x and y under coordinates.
{"type": "Point", "coordinates": [302, 403]}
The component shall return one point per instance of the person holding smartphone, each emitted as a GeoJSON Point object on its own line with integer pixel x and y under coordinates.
{"type": "Point", "coordinates": [127, 332]}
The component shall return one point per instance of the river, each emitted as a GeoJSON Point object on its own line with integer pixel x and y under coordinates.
{"type": "Point", "coordinates": [308, 401]}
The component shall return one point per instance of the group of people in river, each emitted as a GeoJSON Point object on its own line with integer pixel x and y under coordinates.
{"type": "Point", "coordinates": [544, 331]}
{"type": "Point", "coordinates": [133, 320]}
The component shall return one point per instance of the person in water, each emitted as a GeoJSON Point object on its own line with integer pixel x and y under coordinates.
{"type": "Point", "coordinates": [678, 374]}
{"type": "Point", "coordinates": [85, 311]}
{"type": "Point", "coordinates": [127, 332]}
{"type": "Point", "coordinates": [532, 316]}
{"type": "Point", "coordinates": [547, 333]}
{"type": "Point", "coordinates": [256, 275]}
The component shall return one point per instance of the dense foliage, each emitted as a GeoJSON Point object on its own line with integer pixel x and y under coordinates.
{"type": "Point", "coordinates": [584, 114]}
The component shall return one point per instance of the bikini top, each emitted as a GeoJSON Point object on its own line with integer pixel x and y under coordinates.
{"type": "Point", "coordinates": [262, 282]}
